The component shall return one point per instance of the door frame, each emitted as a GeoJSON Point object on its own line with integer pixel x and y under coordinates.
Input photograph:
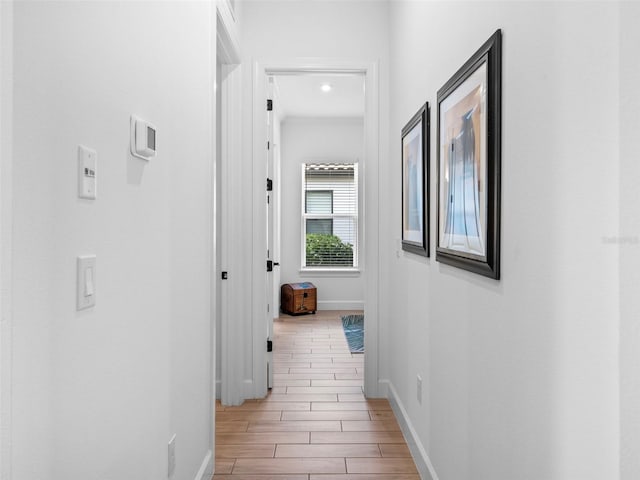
{"type": "Point", "coordinates": [231, 382]}
{"type": "Point", "coordinates": [372, 386]}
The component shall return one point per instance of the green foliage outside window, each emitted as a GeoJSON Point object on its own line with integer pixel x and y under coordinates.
{"type": "Point", "coordinates": [328, 250]}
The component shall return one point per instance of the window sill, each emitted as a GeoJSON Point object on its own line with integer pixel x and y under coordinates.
{"type": "Point", "coordinates": [329, 272]}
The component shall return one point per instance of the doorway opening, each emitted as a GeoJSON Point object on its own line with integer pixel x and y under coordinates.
{"type": "Point", "coordinates": [315, 157]}
{"type": "Point", "coordinates": [316, 141]}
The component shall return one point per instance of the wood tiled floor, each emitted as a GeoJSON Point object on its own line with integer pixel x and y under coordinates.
{"type": "Point", "coordinates": [316, 423]}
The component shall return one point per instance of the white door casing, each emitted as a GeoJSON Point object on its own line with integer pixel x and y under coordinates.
{"type": "Point", "coordinates": [370, 209]}
{"type": "Point", "coordinates": [230, 180]}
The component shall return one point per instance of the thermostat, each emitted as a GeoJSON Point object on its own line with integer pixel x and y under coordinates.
{"type": "Point", "coordinates": [143, 138]}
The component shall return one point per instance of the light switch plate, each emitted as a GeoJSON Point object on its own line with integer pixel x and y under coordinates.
{"type": "Point", "coordinates": [86, 282]}
{"type": "Point", "coordinates": [87, 172]}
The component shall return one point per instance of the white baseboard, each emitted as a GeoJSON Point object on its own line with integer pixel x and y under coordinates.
{"type": "Point", "coordinates": [419, 454]}
{"type": "Point", "coordinates": [247, 389]}
{"type": "Point", "coordinates": [340, 304]}
{"type": "Point", "coordinates": [206, 469]}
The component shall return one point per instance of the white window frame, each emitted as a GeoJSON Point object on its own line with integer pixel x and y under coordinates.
{"type": "Point", "coordinates": [304, 216]}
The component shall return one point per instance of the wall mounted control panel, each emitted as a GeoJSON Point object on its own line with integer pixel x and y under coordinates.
{"type": "Point", "coordinates": [87, 172]}
{"type": "Point", "coordinates": [143, 138]}
{"type": "Point", "coordinates": [86, 282]}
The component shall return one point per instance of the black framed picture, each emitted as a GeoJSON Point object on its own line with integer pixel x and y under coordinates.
{"type": "Point", "coordinates": [415, 183]}
{"type": "Point", "coordinates": [469, 155]}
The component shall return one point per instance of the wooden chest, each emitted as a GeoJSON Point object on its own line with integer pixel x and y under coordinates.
{"type": "Point", "coordinates": [297, 298]}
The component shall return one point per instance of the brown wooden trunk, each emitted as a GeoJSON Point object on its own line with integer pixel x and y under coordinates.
{"type": "Point", "coordinates": [298, 298]}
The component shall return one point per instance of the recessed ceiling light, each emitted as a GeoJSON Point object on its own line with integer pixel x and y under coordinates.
{"type": "Point", "coordinates": [326, 87]}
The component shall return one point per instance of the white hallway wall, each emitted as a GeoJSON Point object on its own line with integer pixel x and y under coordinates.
{"type": "Point", "coordinates": [6, 143]}
{"type": "Point", "coordinates": [520, 376]}
{"type": "Point", "coordinates": [629, 242]}
{"type": "Point", "coordinates": [304, 140]}
{"type": "Point", "coordinates": [97, 394]}
{"type": "Point", "coordinates": [282, 30]}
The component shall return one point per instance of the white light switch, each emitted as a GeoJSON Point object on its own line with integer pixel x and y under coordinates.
{"type": "Point", "coordinates": [86, 278]}
{"type": "Point", "coordinates": [87, 172]}
{"type": "Point", "coordinates": [88, 282]}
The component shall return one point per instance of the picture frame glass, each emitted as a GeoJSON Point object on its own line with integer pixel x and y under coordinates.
{"type": "Point", "coordinates": [413, 186]}
{"type": "Point", "coordinates": [463, 170]}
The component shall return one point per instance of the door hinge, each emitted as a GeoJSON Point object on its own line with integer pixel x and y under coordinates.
{"type": "Point", "coordinates": [269, 105]}
{"type": "Point", "coordinates": [268, 145]}
{"type": "Point", "coordinates": [269, 346]}
{"type": "Point", "coordinates": [269, 265]}
{"type": "Point", "coordinates": [225, 275]}
{"type": "Point", "coordinates": [269, 185]}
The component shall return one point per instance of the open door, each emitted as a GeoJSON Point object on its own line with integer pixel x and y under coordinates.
{"type": "Point", "coordinates": [272, 265]}
{"type": "Point", "coordinates": [274, 173]}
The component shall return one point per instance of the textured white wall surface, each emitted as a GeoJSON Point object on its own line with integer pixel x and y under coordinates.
{"type": "Point", "coordinates": [6, 220]}
{"type": "Point", "coordinates": [629, 242]}
{"type": "Point", "coordinates": [520, 375]}
{"type": "Point", "coordinates": [98, 394]}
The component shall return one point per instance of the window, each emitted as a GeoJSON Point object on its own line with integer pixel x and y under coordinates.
{"type": "Point", "coordinates": [330, 215]}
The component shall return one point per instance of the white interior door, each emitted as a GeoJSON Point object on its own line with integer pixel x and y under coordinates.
{"type": "Point", "coordinates": [270, 230]}
{"type": "Point", "coordinates": [276, 196]}
{"type": "Point", "coordinates": [276, 210]}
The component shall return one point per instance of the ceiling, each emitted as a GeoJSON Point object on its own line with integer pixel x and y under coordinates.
{"type": "Point", "coordinates": [301, 96]}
